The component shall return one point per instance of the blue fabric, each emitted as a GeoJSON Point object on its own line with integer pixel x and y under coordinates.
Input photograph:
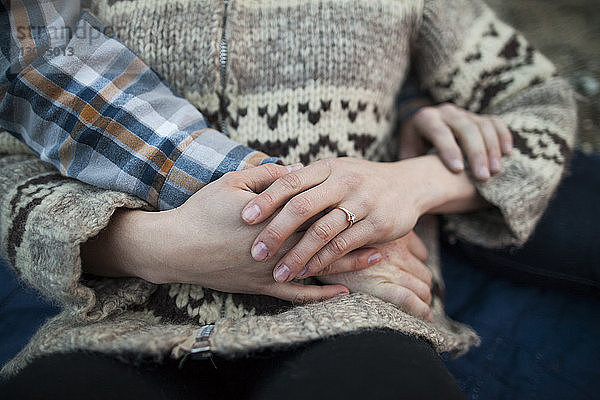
{"type": "Point", "coordinates": [537, 342]}
{"type": "Point", "coordinates": [22, 312]}
{"type": "Point", "coordinates": [537, 308]}
{"type": "Point", "coordinates": [564, 250]}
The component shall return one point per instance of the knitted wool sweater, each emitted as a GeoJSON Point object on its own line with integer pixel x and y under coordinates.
{"type": "Point", "coordinates": [303, 80]}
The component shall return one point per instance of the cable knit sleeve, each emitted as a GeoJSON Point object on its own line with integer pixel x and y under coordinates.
{"type": "Point", "coordinates": [464, 54]}
{"type": "Point", "coordinates": [44, 217]}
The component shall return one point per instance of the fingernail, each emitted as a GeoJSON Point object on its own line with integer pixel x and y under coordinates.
{"type": "Point", "coordinates": [457, 164]}
{"type": "Point", "coordinates": [495, 165]}
{"type": "Point", "coordinates": [374, 258]}
{"type": "Point", "coordinates": [294, 167]}
{"type": "Point", "coordinates": [483, 173]}
{"type": "Point", "coordinates": [251, 213]}
{"type": "Point", "coordinates": [304, 271]}
{"type": "Point", "coordinates": [282, 273]}
{"type": "Point", "coordinates": [506, 147]}
{"type": "Point", "coordinates": [430, 316]}
{"type": "Point", "coordinates": [342, 294]}
{"type": "Point", "coordinates": [260, 251]}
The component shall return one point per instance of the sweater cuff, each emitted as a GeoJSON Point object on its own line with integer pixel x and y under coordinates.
{"type": "Point", "coordinates": [44, 218]}
{"type": "Point", "coordinates": [520, 193]}
{"type": "Point", "coordinates": [514, 212]}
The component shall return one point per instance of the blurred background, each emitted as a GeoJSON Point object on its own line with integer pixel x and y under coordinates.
{"type": "Point", "coordinates": [568, 32]}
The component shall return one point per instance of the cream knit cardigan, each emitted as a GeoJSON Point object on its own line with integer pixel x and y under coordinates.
{"type": "Point", "coordinates": [303, 79]}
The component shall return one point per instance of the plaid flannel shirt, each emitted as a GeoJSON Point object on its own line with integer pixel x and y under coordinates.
{"type": "Point", "coordinates": [88, 105]}
{"type": "Point", "coordinates": [91, 107]}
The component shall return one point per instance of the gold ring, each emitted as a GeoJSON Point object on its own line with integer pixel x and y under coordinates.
{"type": "Point", "coordinates": [350, 217]}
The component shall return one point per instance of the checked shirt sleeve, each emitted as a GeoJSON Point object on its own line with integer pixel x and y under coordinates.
{"type": "Point", "coordinates": [87, 104]}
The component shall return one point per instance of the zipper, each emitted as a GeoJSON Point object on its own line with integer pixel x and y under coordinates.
{"type": "Point", "coordinates": [223, 62]}
{"type": "Point", "coordinates": [201, 347]}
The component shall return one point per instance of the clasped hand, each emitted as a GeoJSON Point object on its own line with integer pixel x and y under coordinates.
{"type": "Point", "coordinates": [386, 214]}
{"type": "Point", "coordinates": [385, 210]}
{"type": "Point", "coordinates": [222, 260]}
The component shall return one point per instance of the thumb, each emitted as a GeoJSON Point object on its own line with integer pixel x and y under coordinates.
{"type": "Point", "coordinates": [259, 178]}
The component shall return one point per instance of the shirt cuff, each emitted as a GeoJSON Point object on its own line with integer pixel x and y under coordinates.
{"type": "Point", "coordinates": [268, 159]}
{"type": "Point", "coordinates": [203, 157]}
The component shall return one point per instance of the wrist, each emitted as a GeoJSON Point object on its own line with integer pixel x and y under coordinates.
{"type": "Point", "coordinates": [150, 251]}
{"type": "Point", "coordinates": [435, 189]}
{"type": "Point", "coordinates": [130, 246]}
{"type": "Point", "coordinates": [184, 252]}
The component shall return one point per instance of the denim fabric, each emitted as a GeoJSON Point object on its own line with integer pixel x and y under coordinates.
{"type": "Point", "coordinates": [537, 308]}
{"type": "Point", "coordinates": [564, 251]}
{"type": "Point", "coordinates": [22, 312]}
{"type": "Point", "coordinates": [537, 342]}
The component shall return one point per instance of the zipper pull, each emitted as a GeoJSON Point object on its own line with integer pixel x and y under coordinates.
{"type": "Point", "coordinates": [201, 347]}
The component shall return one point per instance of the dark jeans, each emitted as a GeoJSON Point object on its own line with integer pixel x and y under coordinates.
{"type": "Point", "coordinates": [564, 250]}
{"type": "Point", "coordinates": [537, 308]}
{"type": "Point", "coordinates": [379, 364]}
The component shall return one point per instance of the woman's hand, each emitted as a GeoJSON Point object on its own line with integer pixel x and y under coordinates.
{"type": "Point", "coordinates": [385, 210]}
{"type": "Point", "coordinates": [400, 278]}
{"type": "Point", "coordinates": [483, 138]}
{"type": "Point", "coordinates": [210, 244]}
{"type": "Point", "coordinates": [387, 199]}
{"type": "Point", "coordinates": [204, 242]}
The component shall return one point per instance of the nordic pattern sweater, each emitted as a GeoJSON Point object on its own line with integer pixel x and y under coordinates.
{"type": "Point", "coordinates": [303, 80]}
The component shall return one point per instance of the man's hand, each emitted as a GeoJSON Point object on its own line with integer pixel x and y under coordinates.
{"type": "Point", "coordinates": [482, 138]}
{"type": "Point", "coordinates": [401, 277]}
{"type": "Point", "coordinates": [205, 242]}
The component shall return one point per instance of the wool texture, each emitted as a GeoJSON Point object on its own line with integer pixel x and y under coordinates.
{"type": "Point", "coordinates": [303, 80]}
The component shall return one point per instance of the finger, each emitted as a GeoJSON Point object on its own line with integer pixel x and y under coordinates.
{"type": "Point", "coordinates": [299, 293]}
{"type": "Point", "coordinates": [492, 143]}
{"type": "Point", "coordinates": [417, 247]}
{"type": "Point", "coordinates": [504, 134]}
{"type": "Point", "coordinates": [416, 268]}
{"type": "Point", "coordinates": [433, 128]}
{"type": "Point", "coordinates": [470, 138]}
{"type": "Point", "coordinates": [283, 189]}
{"type": "Point", "coordinates": [354, 261]}
{"type": "Point", "coordinates": [350, 239]}
{"type": "Point", "coordinates": [406, 300]}
{"type": "Point", "coordinates": [412, 281]}
{"type": "Point", "coordinates": [293, 263]}
{"type": "Point", "coordinates": [293, 214]}
{"type": "Point", "coordinates": [310, 221]}
{"type": "Point", "coordinates": [407, 263]}
{"type": "Point", "coordinates": [259, 178]}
